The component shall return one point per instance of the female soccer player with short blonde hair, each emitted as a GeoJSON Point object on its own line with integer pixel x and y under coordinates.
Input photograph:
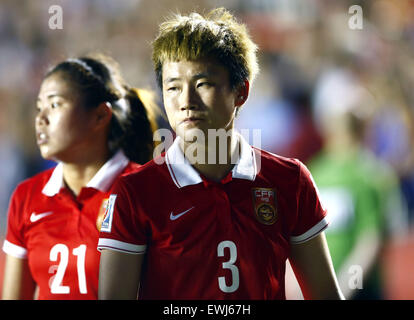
{"type": "Point", "coordinates": [208, 229]}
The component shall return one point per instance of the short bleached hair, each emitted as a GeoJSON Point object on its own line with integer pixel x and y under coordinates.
{"type": "Point", "coordinates": [217, 35]}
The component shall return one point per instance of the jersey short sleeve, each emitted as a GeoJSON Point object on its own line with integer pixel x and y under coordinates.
{"type": "Point", "coordinates": [122, 227]}
{"type": "Point", "coordinates": [14, 244]}
{"type": "Point", "coordinates": [311, 216]}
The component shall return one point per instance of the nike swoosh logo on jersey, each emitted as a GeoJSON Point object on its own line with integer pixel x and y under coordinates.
{"type": "Point", "coordinates": [175, 217]}
{"type": "Point", "coordinates": [35, 217]}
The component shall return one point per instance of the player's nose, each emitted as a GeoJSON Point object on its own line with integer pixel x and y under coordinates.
{"type": "Point", "coordinates": [42, 118]}
{"type": "Point", "coordinates": [189, 99]}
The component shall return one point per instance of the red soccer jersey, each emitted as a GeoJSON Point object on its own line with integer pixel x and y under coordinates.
{"type": "Point", "coordinates": [207, 240]}
{"type": "Point", "coordinates": [58, 233]}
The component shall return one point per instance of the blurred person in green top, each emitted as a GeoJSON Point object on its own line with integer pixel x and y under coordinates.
{"type": "Point", "coordinates": [359, 191]}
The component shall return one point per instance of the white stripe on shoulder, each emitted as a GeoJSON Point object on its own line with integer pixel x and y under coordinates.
{"type": "Point", "coordinates": [311, 233]}
{"type": "Point", "coordinates": [14, 250]}
{"type": "Point", "coordinates": [120, 246]}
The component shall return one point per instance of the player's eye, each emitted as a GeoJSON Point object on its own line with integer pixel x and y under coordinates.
{"type": "Point", "coordinates": [172, 89]}
{"type": "Point", "coordinates": [204, 84]}
{"type": "Point", "coordinates": [55, 105]}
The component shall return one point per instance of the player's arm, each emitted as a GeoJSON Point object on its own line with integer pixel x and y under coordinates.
{"type": "Point", "coordinates": [119, 275]}
{"type": "Point", "coordinates": [18, 282]}
{"type": "Point", "coordinates": [312, 264]}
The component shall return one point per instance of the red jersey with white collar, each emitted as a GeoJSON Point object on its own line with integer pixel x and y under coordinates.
{"type": "Point", "coordinates": [208, 240]}
{"type": "Point", "coordinates": [58, 233]}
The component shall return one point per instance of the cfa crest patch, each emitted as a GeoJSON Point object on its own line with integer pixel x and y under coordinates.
{"type": "Point", "coordinates": [107, 218]}
{"type": "Point", "coordinates": [264, 203]}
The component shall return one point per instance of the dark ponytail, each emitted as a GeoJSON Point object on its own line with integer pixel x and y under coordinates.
{"type": "Point", "coordinates": [136, 139]}
{"type": "Point", "coordinates": [134, 111]}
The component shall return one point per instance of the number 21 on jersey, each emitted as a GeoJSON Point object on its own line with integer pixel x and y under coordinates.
{"type": "Point", "coordinates": [62, 251]}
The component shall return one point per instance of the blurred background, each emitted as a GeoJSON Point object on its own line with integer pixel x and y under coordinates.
{"type": "Point", "coordinates": [339, 98]}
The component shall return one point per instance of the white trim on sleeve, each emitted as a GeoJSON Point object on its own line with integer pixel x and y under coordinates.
{"type": "Point", "coordinates": [311, 233]}
{"type": "Point", "coordinates": [120, 246]}
{"type": "Point", "coordinates": [14, 250]}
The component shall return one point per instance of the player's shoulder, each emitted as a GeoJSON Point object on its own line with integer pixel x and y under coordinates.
{"type": "Point", "coordinates": [35, 182]}
{"type": "Point", "coordinates": [271, 162]}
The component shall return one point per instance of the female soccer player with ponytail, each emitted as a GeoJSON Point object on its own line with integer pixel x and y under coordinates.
{"type": "Point", "coordinates": [97, 128]}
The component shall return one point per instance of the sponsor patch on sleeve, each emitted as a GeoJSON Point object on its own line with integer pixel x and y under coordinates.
{"type": "Point", "coordinates": [107, 219]}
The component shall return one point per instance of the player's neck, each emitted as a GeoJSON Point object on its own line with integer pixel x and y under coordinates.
{"type": "Point", "coordinates": [76, 175]}
{"type": "Point", "coordinates": [213, 159]}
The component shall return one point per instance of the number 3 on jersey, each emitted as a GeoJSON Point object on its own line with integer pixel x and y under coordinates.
{"type": "Point", "coordinates": [56, 286]}
{"type": "Point", "coordinates": [234, 284]}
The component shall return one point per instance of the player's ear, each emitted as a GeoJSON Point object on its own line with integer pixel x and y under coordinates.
{"type": "Point", "coordinates": [103, 114]}
{"type": "Point", "coordinates": [242, 93]}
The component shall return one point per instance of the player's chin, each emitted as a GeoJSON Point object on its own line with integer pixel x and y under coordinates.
{"type": "Point", "coordinates": [48, 153]}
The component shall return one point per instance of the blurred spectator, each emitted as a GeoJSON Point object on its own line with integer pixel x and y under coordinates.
{"type": "Point", "coordinates": [360, 192]}
{"type": "Point", "coordinates": [11, 172]}
{"type": "Point", "coordinates": [268, 111]}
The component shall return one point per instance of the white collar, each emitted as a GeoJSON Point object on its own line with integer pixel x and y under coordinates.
{"type": "Point", "coordinates": [183, 173]}
{"type": "Point", "coordinates": [102, 180]}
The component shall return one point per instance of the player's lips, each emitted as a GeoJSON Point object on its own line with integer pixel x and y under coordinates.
{"type": "Point", "coordinates": [192, 119]}
{"type": "Point", "coordinates": [41, 138]}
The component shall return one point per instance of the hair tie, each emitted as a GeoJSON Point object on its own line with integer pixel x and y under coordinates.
{"type": "Point", "coordinates": [122, 104]}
